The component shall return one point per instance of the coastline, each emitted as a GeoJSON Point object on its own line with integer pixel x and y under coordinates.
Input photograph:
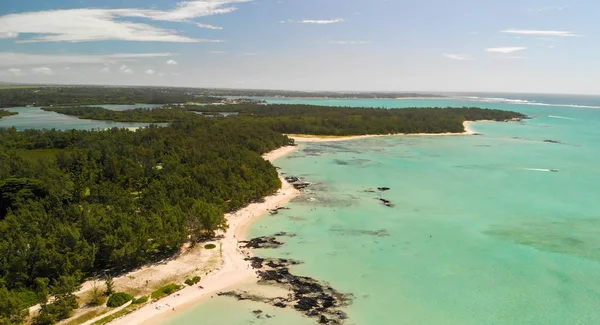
{"type": "Point", "coordinates": [299, 138]}
{"type": "Point", "coordinates": [234, 270]}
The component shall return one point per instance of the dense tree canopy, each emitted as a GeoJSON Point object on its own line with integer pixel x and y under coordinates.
{"type": "Point", "coordinates": [74, 203]}
{"type": "Point", "coordinates": [63, 95]}
{"type": "Point", "coordinates": [322, 120]}
{"type": "Point", "coordinates": [149, 115]}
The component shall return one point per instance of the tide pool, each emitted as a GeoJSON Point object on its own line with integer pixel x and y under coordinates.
{"type": "Point", "coordinates": [482, 232]}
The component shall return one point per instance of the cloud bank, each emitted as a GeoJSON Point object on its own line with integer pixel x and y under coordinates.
{"type": "Point", "coordinates": [83, 25]}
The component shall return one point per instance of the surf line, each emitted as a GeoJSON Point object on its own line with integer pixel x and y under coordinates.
{"type": "Point", "coordinates": [542, 169]}
{"type": "Point", "coordinates": [561, 117]}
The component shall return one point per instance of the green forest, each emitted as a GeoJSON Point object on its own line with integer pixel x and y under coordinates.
{"type": "Point", "coordinates": [4, 113]}
{"type": "Point", "coordinates": [46, 96]}
{"type": "Point", "coordinates": [340, 121]}
{"type": "Point", "coordinates": [78, 203]}
{"type": "Point", "coordinates": [149, 115]}
{"type": "Point", "coordinates": [309, 119]}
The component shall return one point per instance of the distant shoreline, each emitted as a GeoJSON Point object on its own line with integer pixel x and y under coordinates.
{"type": "Point", "coordinates": [311, 138]}
{"type": "Point", "coordinates": [347, 98]}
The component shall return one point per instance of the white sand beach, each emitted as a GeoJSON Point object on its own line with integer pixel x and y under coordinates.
{"type": "Point", "coordinates": [308, 138]}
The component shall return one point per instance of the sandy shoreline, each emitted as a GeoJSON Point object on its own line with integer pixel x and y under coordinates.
{"type": "Point", "coordinates": [235, 269]}
{"type": "Point", "coordinates": [307, 138]}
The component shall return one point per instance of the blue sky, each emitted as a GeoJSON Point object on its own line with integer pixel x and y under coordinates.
{"type": "Point", "coordinates": [374, 45]}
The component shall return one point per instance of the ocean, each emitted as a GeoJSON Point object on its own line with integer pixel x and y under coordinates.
{"type": "Point", "coordinates": [501, 228]}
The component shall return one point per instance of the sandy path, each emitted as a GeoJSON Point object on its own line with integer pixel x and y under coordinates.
{"type": "Point", "coordinates": [234, 269]}
{"type": "Point", "coordinates": [307, 138]}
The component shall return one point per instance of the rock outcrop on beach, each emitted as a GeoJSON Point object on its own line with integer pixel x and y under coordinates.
{"type": "Point", "coordinates": [307, 295]}
{"type": "Point", "coordinates": [276, 210]}
{"type": "Point", "coordinates": [261, 242]}
{"type": "Point", "coordinates": [311, 297]}
{"type": "Point", "coordinates": [297, 183]}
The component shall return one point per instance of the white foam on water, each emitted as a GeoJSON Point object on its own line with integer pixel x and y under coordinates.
{"type": "Point", "coordinates": [519, 102]}
{"type": "Point", "coordinates": [541, 169]}
{"type": "Point", "coordinates": [561, 117]}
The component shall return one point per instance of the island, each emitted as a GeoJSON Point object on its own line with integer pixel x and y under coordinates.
{"type": "Point", "coordinates": [82, 211]}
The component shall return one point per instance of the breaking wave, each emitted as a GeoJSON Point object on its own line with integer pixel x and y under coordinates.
{"type": "Point", "coordinates": [518, 101]}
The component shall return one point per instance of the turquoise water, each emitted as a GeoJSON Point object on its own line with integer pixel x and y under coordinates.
{"type": "Point", "coordinates": [481, 231]}
{"type": "Point", "coordinates": [35, 118]}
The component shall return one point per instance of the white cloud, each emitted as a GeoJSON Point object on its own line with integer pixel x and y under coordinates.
{"type": "Point", "coordinates": [172, 62]}
{"type": "Point", "coordinates": [92, 24]}
{"type": "Point", "coordinates": [14, 58]}
{"type": "Point", "coordinates": [540, 32]}
{"type": "Point", "coordinates": [105, 70]}
{"type": "Point", "coordinates": [126, 69]}
{"type": "Point", "coordinates": [15, 71]}
{"type": "Point", "coordinates": [42, 70]}
{"type": "Point", "coordinates": [349, 42]}
{"type": "Point", "coordinates": [455, 57]}
{"type": "Point", "coordinates": [207, 26]}
{"type": "Point", "coordinates": [551, 8]}
{"type": "Point", "coordinates": [505, 49]}
{"type": "Point", "coordinates": [311, 21]}
{"type": "Point", "coordinates": [150, 72]}
{"type": "Point", "coordinates": [217, 52]}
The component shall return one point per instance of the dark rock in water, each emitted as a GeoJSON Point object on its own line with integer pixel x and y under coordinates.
{"type": "Point", "coordinates": [269, 316]}
{"type": "Point", "coordinates": [385, 202]}
{"type": "Point", "coordinates": [256, 312]}
{"type": "Point", "coordinates": [552, 141]}
{"type": "Point", "coordinates": [276, 211]}
{"type": "Point", "coordinates": [292, 179]}
{"type": "Point", "coordinates": [323, 320]}
{"type": "Point", "coordinates": [262, 242]}
{"type": "Point", "coordinates": [301, 186]}
{"type": "Point", "coordinates": [383, 189]}
{"type": "Point", "coordinates": [279, 304]}
{"type": "Point", "coordinates": [284, 234]}
{"type": "Point", "coordinates": [369, 191]}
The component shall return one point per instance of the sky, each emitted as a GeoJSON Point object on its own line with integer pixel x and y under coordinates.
{"type": "Point", "coordinates": [344, 45]}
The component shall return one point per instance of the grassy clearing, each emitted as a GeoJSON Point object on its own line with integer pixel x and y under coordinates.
{"type": "Point", "coordinates": [165, 291]}
{"type": "Point", "coordinates": [85, 317]}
